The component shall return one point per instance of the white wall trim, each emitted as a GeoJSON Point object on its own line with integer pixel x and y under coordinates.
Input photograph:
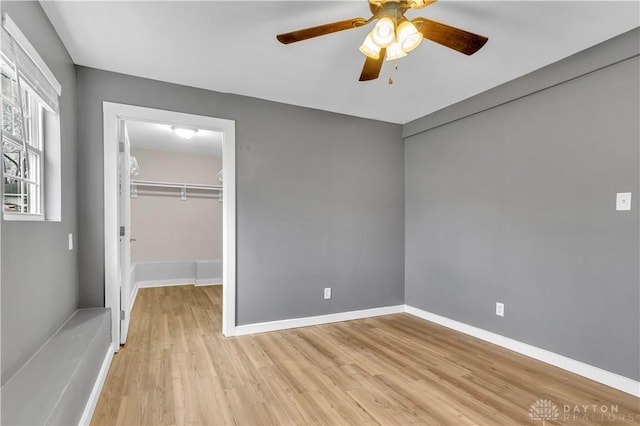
{"type": "Point", "coordinates": [176, 271]}
{"type": "Point", "coordinates": [90, 407]}
{"type": "Point", "coordinates": [28, 48]}
{"type": "Point", "coordinates": [164, 262]}
{"type": "Point", "coordinates": [205, 282]}
{"type": "Point", "coordinates": [134, 296]}
{"type": "Point", "coordinates": [112, 112]}
{"type": "Point", "coordinates": [229, 229]}
{"type": "Point", "coordinates": [263, 327]}
{"type": "Point", "coordinates": [597, 374]}
{"type": "Point", "coordinates": [165, 283]}
{"type": "Point", "coordinates": [111, 262]}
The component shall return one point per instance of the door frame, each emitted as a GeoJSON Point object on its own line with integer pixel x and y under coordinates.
{"type": "Point", "coordinates": [112, 112]}
{"type": "Point", "coordinates": [124, 213]}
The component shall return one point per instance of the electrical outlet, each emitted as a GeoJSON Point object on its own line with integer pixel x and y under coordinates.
{"type": "Point", "coordinates": [499, 309]}
{"type": "Point", "coordinates": [327, 293]}
{"type": "Point", "coordinates": [623, 201]}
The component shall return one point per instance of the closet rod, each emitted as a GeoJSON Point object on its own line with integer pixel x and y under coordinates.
{"type": "Point", "coordinates": [176, 185]}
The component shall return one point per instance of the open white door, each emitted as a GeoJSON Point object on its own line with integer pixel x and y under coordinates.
{"type": "Point", "coordinates": [124, 223]}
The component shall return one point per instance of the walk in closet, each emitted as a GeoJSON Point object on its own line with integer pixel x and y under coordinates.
{"type": "Point", "coordinates": [176, 207]}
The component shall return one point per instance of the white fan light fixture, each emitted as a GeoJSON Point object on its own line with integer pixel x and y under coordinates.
{"type": "Point", "coordinates": [399, 37]}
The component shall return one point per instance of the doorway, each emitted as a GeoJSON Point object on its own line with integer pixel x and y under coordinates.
{"type": "Point", "coordinates": [117, 290]}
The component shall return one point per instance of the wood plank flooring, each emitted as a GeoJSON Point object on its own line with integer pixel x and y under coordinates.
{"type": "Point", "coordinates": [178, 369]}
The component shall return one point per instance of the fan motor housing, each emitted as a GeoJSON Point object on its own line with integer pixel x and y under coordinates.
{"type": "Point", "coordinates": [396, 7]}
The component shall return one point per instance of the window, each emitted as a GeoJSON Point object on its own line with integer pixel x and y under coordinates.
{"type": "Point", "coordinates": [22, 147]}
{"type": "Point", "coordinates": [30, 130]}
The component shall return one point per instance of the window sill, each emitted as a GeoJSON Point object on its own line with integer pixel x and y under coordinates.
{"type": "Point", "coordinates": [23, 217]}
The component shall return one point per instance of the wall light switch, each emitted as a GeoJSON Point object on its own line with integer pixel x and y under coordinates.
{"type": "Point", "coordinates": [70, 241]}
{"type": "Point", "coordinates": [623, 201]}
{"type": "Point", "coordinates": [327, 293]}
{"type": "Point", "coordinates": [499, 309]}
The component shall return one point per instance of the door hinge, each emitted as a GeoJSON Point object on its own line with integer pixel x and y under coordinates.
{"type": "Point", "coordinates": [121, 147]}
{"type": "Point", "coordinates": [121, 315]}
{"type": "Point", "coordinates": [122, 231]}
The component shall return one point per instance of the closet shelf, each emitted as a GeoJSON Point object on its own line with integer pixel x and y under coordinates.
{"type": "Point", "coordinates": [135, 184]}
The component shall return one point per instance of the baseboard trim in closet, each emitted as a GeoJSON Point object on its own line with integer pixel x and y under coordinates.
{"type": "Point", "coordinates": [215, 281]}
{"type": "Point", "coordinates": [166, 283]}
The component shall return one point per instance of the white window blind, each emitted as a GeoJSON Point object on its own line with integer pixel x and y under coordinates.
{"type": "Point", "coordinates": [17, 49]}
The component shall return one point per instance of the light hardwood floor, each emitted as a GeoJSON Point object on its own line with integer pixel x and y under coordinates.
{"type": "Point", "coordinates": [177, 368]}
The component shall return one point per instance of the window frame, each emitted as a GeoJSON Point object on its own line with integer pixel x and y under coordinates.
{"type": "Point", "coordinates": [46, 91]}
{"type": "Point", "coordinates": [31, 180]}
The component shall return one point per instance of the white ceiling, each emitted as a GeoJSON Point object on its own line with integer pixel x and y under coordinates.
{"type": "Point", "coordinates": [230, 46]}
{"type": "Point", "coordinates": [160, 137]}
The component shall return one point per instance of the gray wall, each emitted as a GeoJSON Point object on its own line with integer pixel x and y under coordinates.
{"type": "Point", "coordinates": [516, 204]}
{"type": "Point", "coordinates": [39, 279]}
{"type": "Point", "coordinates": [320, 199]}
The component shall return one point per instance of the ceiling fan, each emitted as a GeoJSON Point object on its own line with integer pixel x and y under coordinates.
{"type": "Point", "coordinates": [394, 35]}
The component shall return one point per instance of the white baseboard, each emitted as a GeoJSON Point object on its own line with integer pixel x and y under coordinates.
{"type": "Point", "coordinates": [203, 282]}
{"type": "Point", "coordinates": [87, 414]}
{"type": "Point", "coordinates": [169, 273]}
{"type": "Point", "coordinates": [263, 327]}
{"type": "Point", "coordinates": [597, 374]}
{"type": "Point", "coordinates": [175, 282]}
{"type": "Point", "coordinates": [134, 296]}
{"type": "Point", "coordinates": [165, 283]}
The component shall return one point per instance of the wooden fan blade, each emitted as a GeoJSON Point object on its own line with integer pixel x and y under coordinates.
{"type": "Point", "coordinates": [320, 30]}
{"type": "Point", "coordinates": [451, 37]}
{"type": "Point", "coordinates": [372, 67]}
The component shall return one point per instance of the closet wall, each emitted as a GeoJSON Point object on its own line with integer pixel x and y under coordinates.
{"type": "Point", "coordinates": [166, 228]}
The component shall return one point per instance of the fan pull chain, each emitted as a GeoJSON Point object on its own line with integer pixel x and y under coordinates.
{"type": "Point", "coordinates": [396, 68]}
